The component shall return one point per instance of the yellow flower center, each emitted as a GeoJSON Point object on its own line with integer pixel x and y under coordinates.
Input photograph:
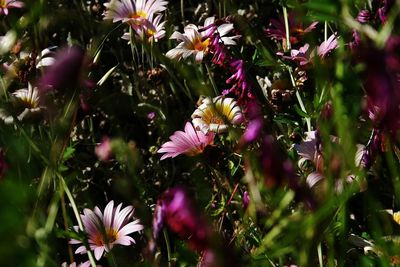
{"type": "Point", "coordinates": [199, 45]}
{"type": "Point", "coordinates": [194, 151]}
{"type": "Point", "coordinates": [140, 14]}
{"type": "Point", "coordinates": [3, 4]}
{"type": "Point", "coordinates": [212, 116]}
{"type": "Point", "coordinates": [111, 236]}
{"type": "Point", "coordinates": [150, 33]}
{"type": "Point", "coordinates": [396, 217]}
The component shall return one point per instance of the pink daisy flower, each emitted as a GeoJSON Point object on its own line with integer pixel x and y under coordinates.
{"type": "Point", "coordinates": [108, 229]}
{"type": "Point", "coordinates": [327, 46]}
{"type": "Point", "coordinates": [190, 142]}
{"type": "Point", "coordinates": [6, 4]}
{"type": "Point", "coordinates": [277, 29]}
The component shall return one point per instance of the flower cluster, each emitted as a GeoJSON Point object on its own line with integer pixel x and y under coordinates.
{"type": "Point", "coordinates": [143, 16]}
{"type": "Point", "coordinates": [213, 116]}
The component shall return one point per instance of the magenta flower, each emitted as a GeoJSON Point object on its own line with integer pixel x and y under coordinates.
{"type": "Point", "coordinates": [277, 29]}
{"type": "Point", "coordinates": [176, 210]}
{"type": "Point", "coordinates": [190, 142]}
{"type": "Point", "coordinates": [256, 123]}
{"type": "Point", "coordinates": [66, 71]}
{"type": "Point", "coordinates": [108, 229]}
{"type": "Point", "coordinates": [6, 4]}
{"type": "Point", "coordinates": [383, 12]}
{"type": "Point", "coordinates": [240, 84]}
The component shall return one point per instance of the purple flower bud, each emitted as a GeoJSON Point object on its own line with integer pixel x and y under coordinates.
{"type": "Point", "coordinates": [385, 9]}
{"type": "Point", "coordinates": [327, 111]}
{"type": "Point", "coordinates": [158, 219]}
{"type": "Point", "coordinates": [103, 151]}
{"type": "Point", "coordinates": [66, 70]}
{"type": "Point", "coordinates": [381, 84]}
{"type": "Point", "coordinates": [253, 130]}
{"type": "Point", "coordinates": [363, 16]}
{"type": "Point", "coordinates": [151, 115]}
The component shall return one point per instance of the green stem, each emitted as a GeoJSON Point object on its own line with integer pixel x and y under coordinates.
{"type": "Point", "coordinates": [77, 216]}
{"type": "Point", "coordinates": [319, 250]}
{"type": "Point", "coordinates": [168, 247]}
{"type": "Point", "coordinates": [212, 80]}
{"type": "Point", "coordinates": [182, 13]}
{"type": "Point", "coordinates": [64, 214]}
{"type": "Point", "coordinates": [285, 17]}
{"type": "Point", "coordinates": [303, 108]}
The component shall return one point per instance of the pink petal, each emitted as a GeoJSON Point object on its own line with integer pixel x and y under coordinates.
{"type": "Point", "coordinates": [131, 228]}
{"type": "Point", "coordinates": [108, 212]}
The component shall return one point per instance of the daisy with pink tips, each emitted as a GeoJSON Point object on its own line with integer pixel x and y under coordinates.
{"type": "Point", "coordinates": [190, 142]}
{"type": "Point", "coordinates": [142, 15]}
{"type": "Point", "coordinates": [195, 41]}
{"type": "Point", "coordinates": [108, 229]}
{"type": "Point", "coordinates": [154, 31]}
{"type": "Point", "coordinates": [133, 11]}
{"type": "Point", "coordinates": [6, 4]}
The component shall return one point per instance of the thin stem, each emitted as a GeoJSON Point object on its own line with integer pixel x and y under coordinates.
{"type": "Point", "coordinates": [224, 8]}
{"type": "Point", "coordinates": [133, 48]}
{"type": "Point", "coordinates": [182, 13]}
{"type": "Point", "coordinates": [212, 80]}
{"type": "Point", "coordinates": [285, 17]}
{"type": "Point", "coordinates": [64, 214]}
{"type": "Point", "coordinates": [319, 250]}
{"type": "Point", "coordinates": [303, 108]}
{"type": "Point", "coordinates": [168, 247]}
{"type": "Point", "coordinates": [325, 31]}
{"type": "Point", "coordinates": [77, 216]}
{"type": "Point", "coordinates": [105, 38]}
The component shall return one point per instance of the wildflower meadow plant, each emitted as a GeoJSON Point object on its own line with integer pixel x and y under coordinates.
{"type": "Point", "coordinates": [107, 229]}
